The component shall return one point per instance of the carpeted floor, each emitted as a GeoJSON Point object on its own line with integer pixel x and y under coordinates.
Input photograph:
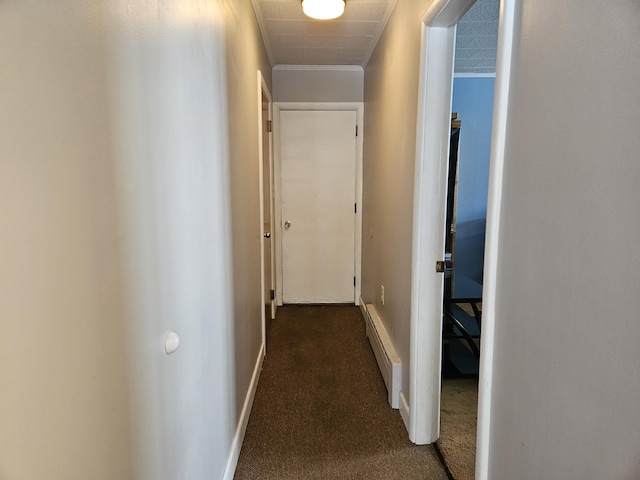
{"type": "Point", "coordinates": [321, 409]}
{"type": "Point", "coordinates": [458, 419]}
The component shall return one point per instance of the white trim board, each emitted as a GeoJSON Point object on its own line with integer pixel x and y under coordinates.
{"type": "Point", "coordinates": [262, 87]}
{"type": "Point", "coordinates": [393, 380]}
{"type": "Point", "coordinates": [236, 445]}
{"type": "Point", "coordinates": [434, 106]}
{"type": "Point", "coordinates": [358, 107]}
{"type": "Point", "coordinates": [509, 12]}
{"type": "Point", "coordinates": [363, 308]}
{"type": "Point", "coordinates": [432, 149]}
{"type": "Point", "coordinates": [330, 68]}
{"type": "Point", "coordinates": [405, 412]}
{"type": "Point", "coordinates": [387, 358]}
{"type": "Point", "coordinates": [473, 75]}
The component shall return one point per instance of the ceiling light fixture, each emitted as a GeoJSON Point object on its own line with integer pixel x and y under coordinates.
{"type": "Point", "coordinates": [323, 9]}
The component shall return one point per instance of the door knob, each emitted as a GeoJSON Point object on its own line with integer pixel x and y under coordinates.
{"type": "Point", "coordinates": [287, 223]}
{"type": "Point", "coordinates": [267, 235]}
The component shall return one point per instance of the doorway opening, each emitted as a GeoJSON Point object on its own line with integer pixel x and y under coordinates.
{"type": "Point", "coordinates": [311, 247]}
{"type": "Point", "coordinates": [267, 206]}
{"type": "Point", "coordinates": [422, 414]}
{"type": "Point", "coordinates": [467, 185]}
{"type": "Point", "coordinates": [318, 180]}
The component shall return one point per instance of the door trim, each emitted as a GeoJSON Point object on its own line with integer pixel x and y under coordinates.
{"type": "Point", "coordinates": [432, 151]}
{"type": "Point", "coordinates": [358, 107]}
{"type": "Point", "coordinates": [434, 107]}
{"type": "Point", "coordinates": [509, 12]}
{"type": "Point", "coordinates": [262, 87]}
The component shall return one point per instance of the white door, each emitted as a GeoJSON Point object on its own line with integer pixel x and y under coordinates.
{"type": "Point", "coordinates": [318, 173]}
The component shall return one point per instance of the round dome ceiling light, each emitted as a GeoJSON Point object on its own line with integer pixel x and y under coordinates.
{"type": "Point", "coordinates": [323, 9]}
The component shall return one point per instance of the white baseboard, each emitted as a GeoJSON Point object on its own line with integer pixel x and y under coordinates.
{"type": "Point", "coordinates": [404, 411]}
{"type": "Point", "coordinates": [387, 358]}
{"type": "Point", "coordinates": [236, 445]}
{"type": "Point", "coordinates": [363, 309]}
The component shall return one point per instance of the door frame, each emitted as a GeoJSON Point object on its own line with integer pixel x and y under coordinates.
{"type": "Point", "coordinates": [422, 414]}
{"type": "Point", "coordinates": [278, 107]}
{"type": "Point", "coordinates": [263, 88]}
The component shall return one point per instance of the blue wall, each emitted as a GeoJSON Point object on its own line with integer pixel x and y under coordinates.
{"type": "Point", "coordinates": [473, 101]}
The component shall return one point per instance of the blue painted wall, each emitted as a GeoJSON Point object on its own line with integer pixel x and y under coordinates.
{"type": "Point", "coordinates": [473, 100]}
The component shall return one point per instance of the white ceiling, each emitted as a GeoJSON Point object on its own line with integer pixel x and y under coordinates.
{"type": "Point", "coordinates": [291, 38]}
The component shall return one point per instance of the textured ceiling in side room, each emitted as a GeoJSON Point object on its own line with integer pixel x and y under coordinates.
{"type": "Point", "coordinates": [477, 38]}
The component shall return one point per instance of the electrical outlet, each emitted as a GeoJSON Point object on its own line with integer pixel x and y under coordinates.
{"type": "Point", "coordinates": [382, 294]}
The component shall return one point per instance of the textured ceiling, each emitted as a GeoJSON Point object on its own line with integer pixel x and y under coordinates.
{"type": "Point", "coordinates": [291, 38]}
{"type": "Point", "coordinates": [477, 38]}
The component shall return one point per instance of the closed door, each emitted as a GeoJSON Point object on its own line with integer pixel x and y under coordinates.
{"type": "Point", "coordinates": [318, 172]}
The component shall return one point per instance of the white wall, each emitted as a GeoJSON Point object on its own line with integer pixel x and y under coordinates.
{"type": "Point", "coordinates": [391, 97]}
{"type": "Point", "coordinates": [565, 390]}
{"type": "Point", "coordinates": [188, 145]}
{"type": "Point", "coordinates": [318, 83]}
{"type": "Point", "coordinates": [120, 168]}
{"type": "Point", "coordinates": [168, 67]}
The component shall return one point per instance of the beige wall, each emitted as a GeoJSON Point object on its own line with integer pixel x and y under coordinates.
{"type": "Point", "coordinates": [565, 391]}
{"type": "Point", "coordinates": [245, 56]}
{"type": "Point", "coordinates": [316, 83]}
{"type": "Point", "coordinates": [128, 138]}
{"type": "Point", "coordinates": [391, 95]}
{"type": "Point", "coordinates": [64, 410]}
{"type": "Point", "coordinates": [567, 280]}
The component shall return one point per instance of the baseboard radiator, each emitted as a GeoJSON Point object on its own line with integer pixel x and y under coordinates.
{"type": "Point", "coordinates": [386, 356]}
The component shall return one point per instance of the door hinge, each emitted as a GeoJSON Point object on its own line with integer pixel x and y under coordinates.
{"type": "Point", "coordinates": [355, 208]}
{"type": "Point", "coordinates": [443, 266]}
{"type": "Point", "coordinates": [273, 294]}
{"type": "Point", "coordinates": [269, 126]}
{"type": "Point", "coordinates": [354, 281]}
{"type": "Point", "coordinates": [356, 130]}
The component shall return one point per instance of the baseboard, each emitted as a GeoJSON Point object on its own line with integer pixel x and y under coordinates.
{"type": "Point", "coordinates": [363, 309]}
{"type": "Point", "coordinates": [404, 411]}
{"type": "Point", "coordinates": [236, 445]}
{"type": "Point", "coordinates": [387, 358]}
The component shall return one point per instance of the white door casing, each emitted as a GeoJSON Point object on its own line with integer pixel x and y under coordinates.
{"type": "Point", "coordinates": [265, 159]}
{"type": "Point", "coordinates": [318, 193]}
{"type": "Point", "coordinates": [278, 108]}
{"type": "Point", "coordinates": [423, 409]}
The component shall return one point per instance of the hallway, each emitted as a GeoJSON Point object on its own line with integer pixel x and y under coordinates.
{"type": "Point", "coordinates": [321, 409]}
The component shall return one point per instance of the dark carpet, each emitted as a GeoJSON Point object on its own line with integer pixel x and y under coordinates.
{"type": "Point", "coordinates": [321, 409]}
